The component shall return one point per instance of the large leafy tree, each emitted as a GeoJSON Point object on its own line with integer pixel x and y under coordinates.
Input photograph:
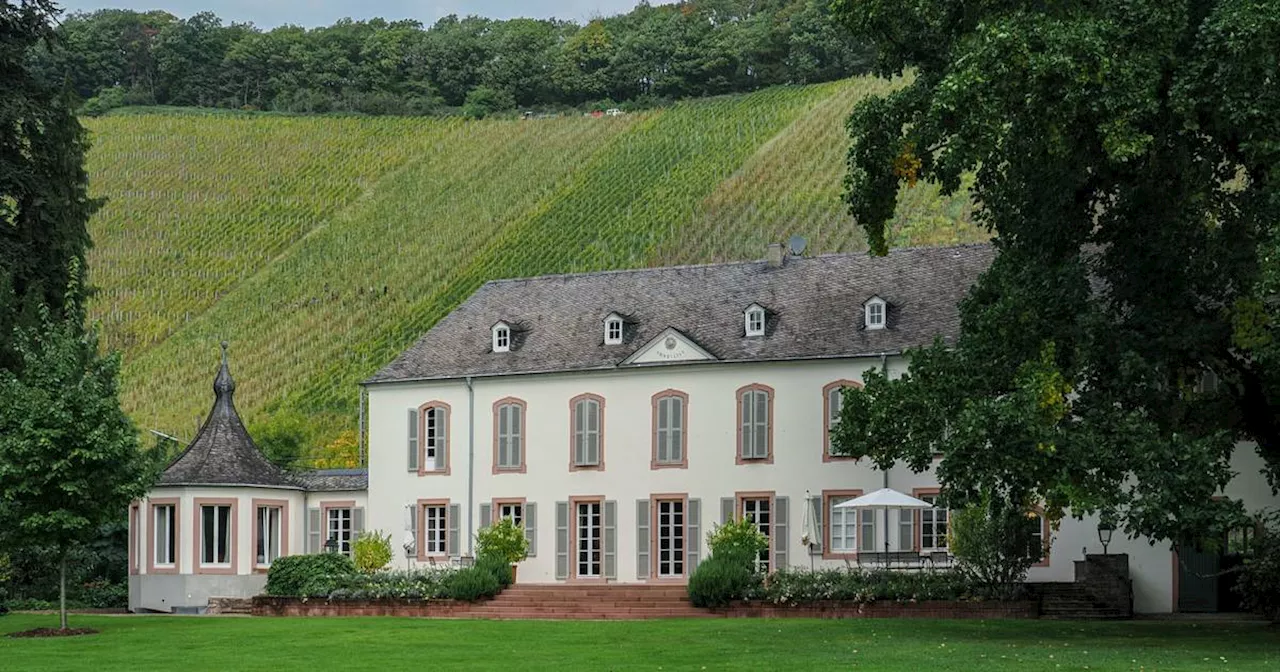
{"type": "Point", "coordinates": [1126, 157]}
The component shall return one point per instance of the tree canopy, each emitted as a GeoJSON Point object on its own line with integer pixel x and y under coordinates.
{"type": "Point", "coordinates": [1126, 157]}
{"type": "Point", "coordinates": [115, 57]}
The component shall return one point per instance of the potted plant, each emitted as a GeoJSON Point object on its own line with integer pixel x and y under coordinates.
{"type": "Point", "coordinates": [503, 539]}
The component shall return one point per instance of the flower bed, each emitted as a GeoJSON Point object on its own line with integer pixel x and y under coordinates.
{"type": "Point", "coordinates": [790, 587]}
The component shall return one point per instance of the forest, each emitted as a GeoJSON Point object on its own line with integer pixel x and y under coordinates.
{"type": "Point", "coordinates": [472, 65]}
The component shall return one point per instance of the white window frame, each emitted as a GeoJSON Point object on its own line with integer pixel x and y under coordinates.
{"type": "Point", "coordinates": [876, 314]}
{"type": "Point", "coordinates": [670, 437]}
{"type": "Point", "coordinates": [843, 523]}
{"type": "Point", "coordinates": [670, 526]}
{"type": "Point", "coordinates": [751, 510]}
{"type": "Point", "coordinates": [613, 331]}
{"type": "Point", "coordinates": [588, 539]}
{"type": "Point", "coordinates": [268, 534]}
{"type": "Point", "coordinates": [835, 404]}
{"type": "Point", "coordinates": [754, 320]}
{"type": "Point", "coordinates": [221, 536]}
{"type": "Point", "coordinates": [435, 529]}
{"type": "Point", "coordinates": [501, 337]}
{"type": "Point", "coordinates": [932, 519]}
{"type": "Point", "coordinates": [165, 541]}
{"type": "Point", "coordinates": [333, 519]}
{"type": "Point", "coordinates": [512, 510]}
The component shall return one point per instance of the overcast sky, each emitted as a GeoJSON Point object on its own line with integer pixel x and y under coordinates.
{"type": "Point", "coordinates": [311, 13]}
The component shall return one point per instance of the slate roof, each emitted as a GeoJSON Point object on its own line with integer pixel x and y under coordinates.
{"type": "Point", "coordinates": [333, 480]}
{"type": "Point", "coordinates": [223, 453]}
{"type": "Point", "coordinates": [814, 310]}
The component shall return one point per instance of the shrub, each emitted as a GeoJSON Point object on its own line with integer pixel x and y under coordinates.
{"type": "Point", "coordinates": [995, 543]}
{"type": "Point", "coordinates": [412, 585]}
{"type": "Point", "coordinates": [504, 540]}
{"type": "Point", "coordinates": [471, 584]}
{"type": "Point", "coordinates": [496, 565]}
{"type": "Point", "coordinates": [740, 541]}
{"type": "Point", "coordinates": [721, 579]}
{"type": "Point", "coordinates": [1259, 582]}
{"type": "Point", "coordinates": [308, 575]}
{"type": "Point", "coordinates": [372, 551]}
{"type": "Point", "coordinates": [799, 587]}
{"type": "Point", "coordinates": [104, 594]}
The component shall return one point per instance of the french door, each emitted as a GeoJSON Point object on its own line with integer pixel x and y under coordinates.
{"type": "Point", "coordinates": [758, 512]}
{"type": "Point", "coordinates": [670, 533]}
{"type": "Point", "coordinates": [590, 541]}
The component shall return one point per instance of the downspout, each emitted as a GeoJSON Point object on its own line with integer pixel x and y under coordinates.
{"type": "Point", "coordinates": [884, 368]}
{"type": "Point", "coordinates": [471, 463]}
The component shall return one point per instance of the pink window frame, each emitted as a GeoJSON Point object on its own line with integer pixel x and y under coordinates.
{"type": "Point", "coordinates": [684, 430]}
{"type": "Point", "coordinates": [1044, 535]}
{"type": "Point", "coordinates": [135, 519]}
{"type": "Point", "coordinates": [737, 449]}
{"type": "Point", "coordinates": [233, 552]}
{"type": "Point", "coordinates": [573, 538]}
{"type": "Point", "coordinates": [573, 418]}
{"type": "Point", "coordinates": [324, 519]}
{"type": "Point", "coordinates": [422, 438]}
{"type": "Point", "coordinates": [771, 495]}
{"type": "Point", "coordinates": [828, 553]}
{"type": "Point", "coordinates": [176, 503]}
{"type": "Point", "coordinates": [524, 435]}
{"type": "Point", "coordinates": [283, 505]}
{"type": "Point", "coordinates": [826, 415]}
{"type": "Point", "coordinates": [654, 499]}
{"type": "Point", "coordinates": [423, 555]}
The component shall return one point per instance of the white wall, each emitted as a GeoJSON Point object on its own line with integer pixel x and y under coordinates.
{"type": "Point", "coordinates": [711, 474]}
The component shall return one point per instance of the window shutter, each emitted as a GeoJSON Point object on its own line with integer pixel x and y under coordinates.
{"type": "Point", "coordinates": [726, 510]}
{"type": "Point", "coordinates": [815, 510]}
{"type": "Point", "coordinates": [676, 435]}
{"type": "Point", "coordinates": [413, 439]}
{"type": "Point", "coordinates": [454, 542]}
{"type": "Point", "coordinates": [515, 445]}
{"type": "Point", "coordinates": [642, 538]}
{"type": "Point", "coordinates": [413, 528]}
{"type": "Point", "coordinates": [357, 522]}
{"type": "Point", "coordinates": [442, 440]}
{"type": "Point", "coordinates": [761, 441]}
{"type": "Point", "coordinates": [780, 531]}
{"type": "Point", "coordinates": [562, 540]}
{"type": "Point", "coordinates": [485, 514]}
{"type": "Point", "coordinates": [531, 527]}
{"type": "Point", "coordinates": [579, 435]}
{"type": "Point", "coordinates": [693, 519]}
{"type": "Point", "coordinates": [611, 539]}
{"type": "Point", "coordinates": [313, 530]}
{"type": "Point", "coordinates": [745, 448]}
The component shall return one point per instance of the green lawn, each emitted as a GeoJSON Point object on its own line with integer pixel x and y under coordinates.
{"type": "Point", "coordinates": [204, 643]}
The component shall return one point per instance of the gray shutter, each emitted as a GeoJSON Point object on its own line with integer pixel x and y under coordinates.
{"type": "Point", "coordinates": [611, 539]}
{"type": "Point", "coordinates": [442, 440]}
{"type": "Point", "coordinates": [761, 441]}
{"type": "Point", "coordinates": [413, 528]}
{"type": "Point", "coordinates": [455, 541]}
{"type": "Point", "coordinates": [486, 512]}
{"type": "Point", "coordinates": [815, 510]}
{"type": "Point", "coordinates": [726, 510]}
{"type": "Point", "coordinates": [313, 530]}
{"type": "Point", "coordinates": [780, 531]}
{"type": "Point", "coordinates": [531, 527]}
{"type": "Point", "coordinates": [357, 522]}
{"type": "Point", "coordinates": [693, 521]}
{"type": "Point", "coordinates": [747, 409]}
{"type": "Point", "coordinates": [562, 540]}
{"type": "Point", "coordinates": [413, 439]}
{"type": "Point", "coordinates": [642, 538]}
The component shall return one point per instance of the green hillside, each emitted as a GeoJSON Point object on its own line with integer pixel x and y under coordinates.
{"type": "Point", "coordinates": [321, 247]}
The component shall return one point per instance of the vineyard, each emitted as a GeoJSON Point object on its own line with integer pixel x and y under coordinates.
{"type": "Point", "coordinates": [322, 247]}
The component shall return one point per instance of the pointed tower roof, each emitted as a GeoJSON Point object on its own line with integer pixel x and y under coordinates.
{"type": "Point", "coordinates": [223, 453]}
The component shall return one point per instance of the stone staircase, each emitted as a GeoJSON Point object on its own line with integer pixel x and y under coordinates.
{"type": "Point", "coordinates": [1102, 591]}
{"type": "Point", "coordinates": [590, 602]}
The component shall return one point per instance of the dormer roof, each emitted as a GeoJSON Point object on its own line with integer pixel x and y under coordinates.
{"type": "Point", "coordinates": [223, 453]}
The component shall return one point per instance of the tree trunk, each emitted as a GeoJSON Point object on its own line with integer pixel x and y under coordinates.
{"type": "Point", "coordinates": [62, 590]}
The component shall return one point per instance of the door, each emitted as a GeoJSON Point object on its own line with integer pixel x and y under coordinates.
{"type": "Point", "coordinates": [1197, 579]}
{"type": "Point", "coordinates": [589, 547]}
{"type": "Point", "coordinates": [670, 538]}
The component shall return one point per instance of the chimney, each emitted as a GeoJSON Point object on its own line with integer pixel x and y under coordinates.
{"type": "Point", "coordinates": [774, 256]}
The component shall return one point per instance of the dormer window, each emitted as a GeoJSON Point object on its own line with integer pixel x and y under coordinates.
{"type": "Point", "coordinates": [754, 316]}
{"type": "Point", "coordinates": [501, 337]}
{"type": "Point", "coordinates": [875, 308]}
{"type": "Point", "coordinates": [613, 329]}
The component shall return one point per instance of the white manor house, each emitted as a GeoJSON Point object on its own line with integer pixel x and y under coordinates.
{"type": "Point", "coordinates": [618, 416]}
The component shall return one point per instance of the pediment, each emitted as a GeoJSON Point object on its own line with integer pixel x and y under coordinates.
{"type": "Point", "coordinates": [667, 347]}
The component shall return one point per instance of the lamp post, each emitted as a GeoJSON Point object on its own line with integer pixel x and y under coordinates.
{"type": "Point", "coordinates": [1104, 535]}
{"type": "Point", "coordinates": [331, 546]}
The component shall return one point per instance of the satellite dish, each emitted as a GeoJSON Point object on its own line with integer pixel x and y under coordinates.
{"type": "Point", "coordinates": [797, 244]}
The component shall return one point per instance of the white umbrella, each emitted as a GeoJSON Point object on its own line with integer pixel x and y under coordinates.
{"type": "Point", "coordinates": [885, 498]}
{"type": "Point", "coordinates": [812, 532]}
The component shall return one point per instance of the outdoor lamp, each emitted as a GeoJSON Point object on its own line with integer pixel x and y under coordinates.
{"type": "Point", "coordinates": [1104, 535]}
{"type": "Point", "coordinates": [331, 546]}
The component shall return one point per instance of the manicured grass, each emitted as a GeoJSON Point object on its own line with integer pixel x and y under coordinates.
{"type": "Point", "coordinates": [205, 643]}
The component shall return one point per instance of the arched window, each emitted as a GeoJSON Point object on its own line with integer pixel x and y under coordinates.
{"type": "Point", "coordinates": [509, 435]}
{"type": "Point", "coordinates": [587, 427]}
{"type": "Point", "coordinates": [670, 430]}
{"type": "Point", "coordinates": [755, 424]}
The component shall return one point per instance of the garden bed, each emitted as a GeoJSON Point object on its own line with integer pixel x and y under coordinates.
{"type": "Point", "coordinates": [267, 605]}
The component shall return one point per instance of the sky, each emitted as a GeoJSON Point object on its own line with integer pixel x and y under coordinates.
{"type": "Point", "coordinates": [312, 13]}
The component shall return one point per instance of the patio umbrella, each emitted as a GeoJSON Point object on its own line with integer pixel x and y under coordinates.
{"type": "Point", "coordinates": [812, 531]}
{"type": "Point", "coordinates": [885, 499]}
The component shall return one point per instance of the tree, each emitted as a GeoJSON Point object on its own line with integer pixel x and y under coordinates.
{"type": "Point", "coordinates": [1124, 156]}
{"type": "Point", "coordinates": [44, 200]}
{"type": "Point", "coordinates": [69, 458]}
